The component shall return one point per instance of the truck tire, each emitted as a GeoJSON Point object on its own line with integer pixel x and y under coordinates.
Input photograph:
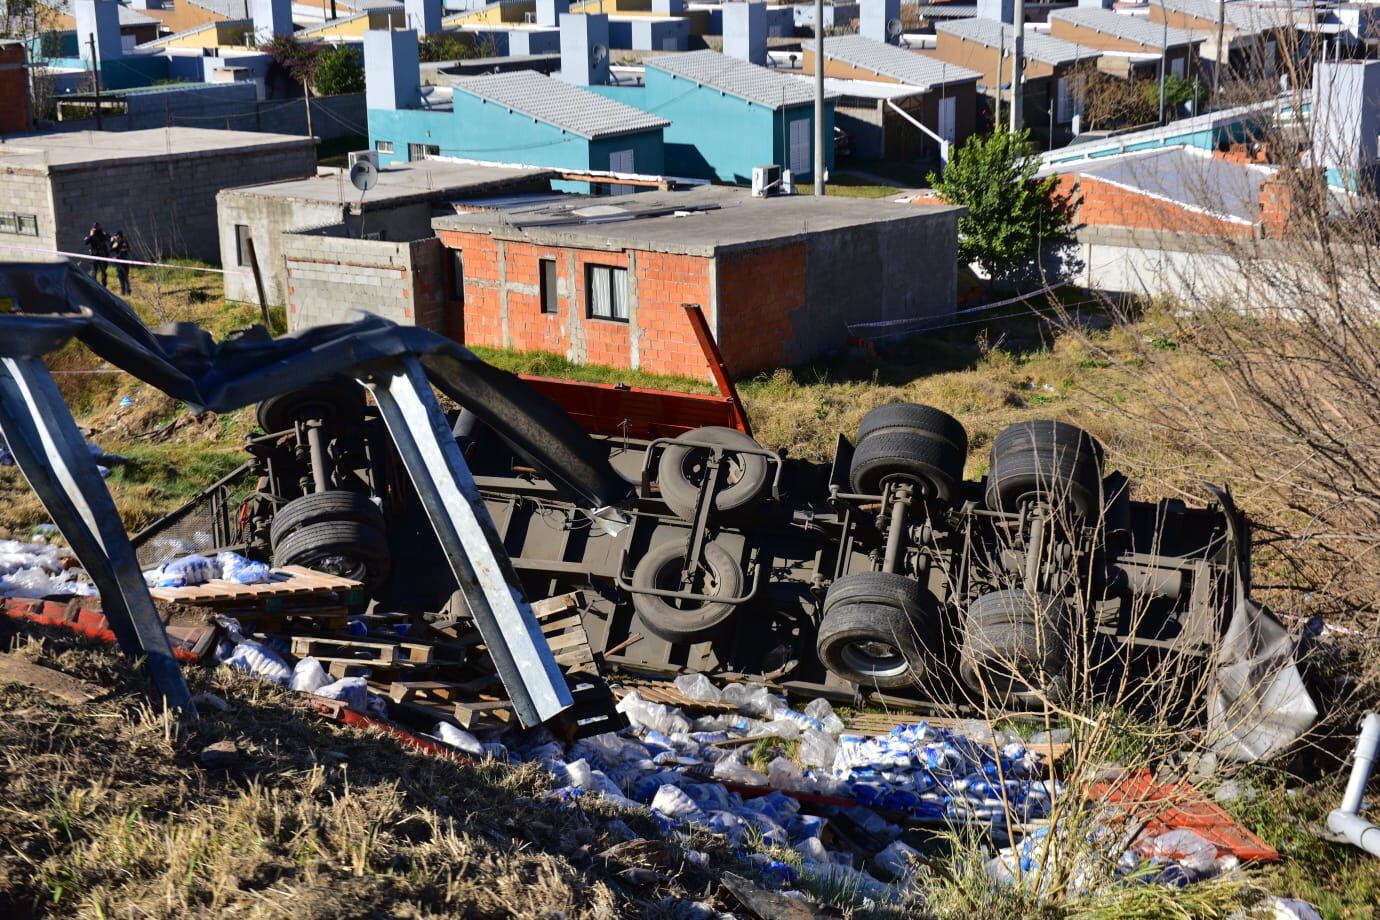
{"type": "Point", "coordinates": [1046, 461]}
{"type": "Point", "coordinates": [1015, 647]}
{"type": "Point", "coordinates": [914, 417]}
{"type": "Point", "coordinates": [351, 549]}
{"type": "Point", "coordinates": [685, 621]}
{"type": "Point", "coordinates": [934, 466]}
{"type": "Point", "coordinates": [682, 468]}
{"type": "Point", "coordinates": [324, 506]}
{"type": "Point", "coordinates": [876, 629]}
{"type": "Point", "coordinates": [331, 400]}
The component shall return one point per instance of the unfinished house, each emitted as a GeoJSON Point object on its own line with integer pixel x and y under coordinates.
{"type": "Point", "coordinates": [158, 185]}
{"type": "Point", "coordinates": [779, 278]}
{"type": "Point", "coordinates": [398, 209]}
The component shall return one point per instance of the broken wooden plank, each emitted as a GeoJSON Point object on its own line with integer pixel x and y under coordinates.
{"type": "Point", "coordinates": [60, 686]}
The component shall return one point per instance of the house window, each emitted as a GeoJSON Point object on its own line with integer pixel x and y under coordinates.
{"type": "Point", "coordinates": [548, 285]}
{"type": "Point", "coordinates": [948, 116]}
{"type": "Point", "coordinates": [417, 152]}
{"type": "Point", "coordinates": [621, 161]}
{"type": "Point", "coordinates": [383, 146]}
{"type": "Point", "coordinates": [23, 224]}
{"type": "Point", "coordinates": [241, 244]}
{"type": "Point", "coordinates": [799, 160]}
{"type": "Point", "coordinates": [1063, 101]}
{"type": "Point", "coordinates": [606, 292]}
{"type": "Point", "coordinates": [457, 276]}
{"type": "Point", "coordinates": [1177, 67]}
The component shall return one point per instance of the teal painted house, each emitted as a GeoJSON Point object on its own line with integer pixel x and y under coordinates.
{"type": "Point", "coordinates": [523, 117]}
{"type": "Point", "coordinates": [728, 115]}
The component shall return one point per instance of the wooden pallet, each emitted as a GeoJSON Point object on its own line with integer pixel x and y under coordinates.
{"type": "Point", "coordinates": [562, 625]}
{"type": "Point", "coordinates": [288, 581]}
{"type": "Point", "coordinates": [360, 651]}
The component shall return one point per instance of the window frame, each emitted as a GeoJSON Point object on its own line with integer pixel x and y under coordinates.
{"type": "Point", "coordinates": [548, 287]}
{"type": "Point", "coordinates": [614, 294]}
{"type": "Point", "coordinates": [241, 249]}
{"type": "Point", "coordinates": [385, 147]}
{"type": "Point", "coordinates": [456, 280]}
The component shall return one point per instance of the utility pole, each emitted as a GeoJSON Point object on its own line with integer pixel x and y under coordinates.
{"type": "Point", "coordinates": [1220, 62]}
{"type": "Point", "coordinates": [96, 77]}
{"type": "Point", "coordinates": [819, 97]}
{"type": "Point", "coordinates": [996, 90]}
{"type": "Point", "coordinates": [1164, 56]}
{"type": "Point", "coordinates": [1017, 66]}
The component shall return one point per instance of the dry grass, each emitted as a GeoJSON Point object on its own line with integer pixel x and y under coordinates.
{"type": "Point", "coordinates": [106, 813]}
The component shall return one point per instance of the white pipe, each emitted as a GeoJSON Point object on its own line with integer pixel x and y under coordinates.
{"type": "Point", "coordinates": [1346, 820]}
{"type": "Point", "coordinates": [943, 144]}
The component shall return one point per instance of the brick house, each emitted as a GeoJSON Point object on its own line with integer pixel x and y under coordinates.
{"type": "Point", "coordinates": [945, 100]}
{"type": "Point", "coordinates": [1258, 39]}
{"type": "Point", "coordinates": [780, 279]}
{"type": "Point", "coordinates": [1131, 46]}
{"type": "Point", "coordinates": [1048, 76]}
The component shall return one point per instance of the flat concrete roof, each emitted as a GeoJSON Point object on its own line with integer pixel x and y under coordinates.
{"type": "Point", "coordinates": [44, 153]}
{"type": "Point", "coordinates": [704, 221]}
{"type": "Point", "coordinates": [421, 181]}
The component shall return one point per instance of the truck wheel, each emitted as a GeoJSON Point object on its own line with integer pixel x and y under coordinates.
{"type": "Point", "coordinates": [685, 621]}
{"type": "Point", "coordinates": [682, 469]}
{"type": "Point", "coordinates": [350, 549]}
{"type": "Point", "coordinates": [330, 400]}
{"type": "Point", "coordinates": [1046, 461]}
{"type": "Point", "coordinates": [917, 418]}
{"type": "Point", "coordinates": [324, 506]}
{"type": "Point", "coordinates": [875, 628]}
{"type": "Point", "coordinates": [933, 466]}
{"type": "Point", "coordinates": [1015, 646]}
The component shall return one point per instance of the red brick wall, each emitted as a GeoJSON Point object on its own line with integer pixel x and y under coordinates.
{"type": "Point", "coordinates": [1101, 204]}
{"type": "Point", "coordinates": [658, 284]}
{"type": "Point", "coordinates": [14, 90]}
{"type": "Point", "coordinates": [759, 290]}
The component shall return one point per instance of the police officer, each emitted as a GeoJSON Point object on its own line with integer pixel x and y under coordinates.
{"type": "Point", "coordinates": [119, 248]}
{"type": "Point", "coordinates": [98, 244]}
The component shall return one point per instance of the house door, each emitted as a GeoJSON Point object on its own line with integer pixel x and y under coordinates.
{"type": "Point", "coordinates": [948, 117]}
{"type": "Point", "coordinates": [799, 159]}
{"type": "Point", "coordinates": [621, 161]}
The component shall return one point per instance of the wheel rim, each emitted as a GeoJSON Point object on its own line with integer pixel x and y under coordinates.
{"type": "Point", "coordinates": [705, 581]}
{"type": "Point", "coordinates": [923, 484]}
{"type": "Point", "coordinates": [341, 565]}
{"type": "Point", "coordinates": [695, 467]}
{"type": "Point", "coordinates": [874, 658]}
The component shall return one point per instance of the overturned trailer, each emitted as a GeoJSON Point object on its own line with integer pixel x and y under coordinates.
{"type": "Point", "coordinates": [881, 574]}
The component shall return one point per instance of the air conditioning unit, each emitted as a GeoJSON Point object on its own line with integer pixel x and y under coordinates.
{"type": "Point", "coordinates": [787, 183]}
{"type": "Point", "coordinates": [766, 180]}
{"type": "Point", "coordinates": [370, 155]}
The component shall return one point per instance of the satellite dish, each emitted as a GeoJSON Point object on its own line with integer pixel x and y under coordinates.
{"type": "Point", "coordinates": [364, 175]}
{"type": "Point", "coordinates": [893, 28]}
{"type": "Point", "coordinates": [598, 54]}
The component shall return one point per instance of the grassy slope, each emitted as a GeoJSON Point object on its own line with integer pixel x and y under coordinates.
{"type": "Point", "coordinates": [989, 375]}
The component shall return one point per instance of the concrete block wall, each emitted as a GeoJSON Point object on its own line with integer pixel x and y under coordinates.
{"type": "Point", "coordinates": [166, 204]}
{"type": "Point", "coordinates": [28, 193]}
{"type": "Point", "coordinates": [332, 116]}
{"type": "Point", "coordinates": [331, 278]}
{"type": "Point", "coordinates": [267, 220]}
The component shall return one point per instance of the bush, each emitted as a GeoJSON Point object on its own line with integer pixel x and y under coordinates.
{"type": "Point", "coordinates": [1012, 216]}
{"type": "Point", "coordinates": [338, 71]}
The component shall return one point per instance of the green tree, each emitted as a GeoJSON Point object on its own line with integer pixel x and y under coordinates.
{"type": "Point", "coordinates": [1017, 224]}
{"type": "Point", "coordinates": [338, 70]}
{"type": "Point", "coordinates": [454, 46]}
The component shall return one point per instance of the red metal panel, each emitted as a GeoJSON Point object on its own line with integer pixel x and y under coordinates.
{"type": "Point", "coordinates": [1168, 806]}
{"type": "Point", "coordinates": [615, 410]}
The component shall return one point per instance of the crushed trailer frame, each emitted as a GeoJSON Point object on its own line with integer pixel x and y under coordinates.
{"type": "Point", "coordinates": [51, 303]}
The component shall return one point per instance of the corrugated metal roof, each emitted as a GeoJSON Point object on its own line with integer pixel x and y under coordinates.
{"type": "Point", "coordinates": [1249, 18]}
{"type": "Point", "coordinates": [892, 62]}
{"type": "Point", "coordinates": [759, 85]}
{"type": "Point", "coordinates": [944, 10]}
{"type": "Point", "coordinates": [1038, 45]}
{"type": "Point", "coordinates": [559, 104]}
{"type": "Point", "coordinates": [1136, 29]}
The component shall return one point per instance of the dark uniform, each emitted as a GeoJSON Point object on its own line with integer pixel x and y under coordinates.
{"type": "Point", "coordinates": [119, 248]}
{"type": "Point", "coordinates": [98, 244]}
